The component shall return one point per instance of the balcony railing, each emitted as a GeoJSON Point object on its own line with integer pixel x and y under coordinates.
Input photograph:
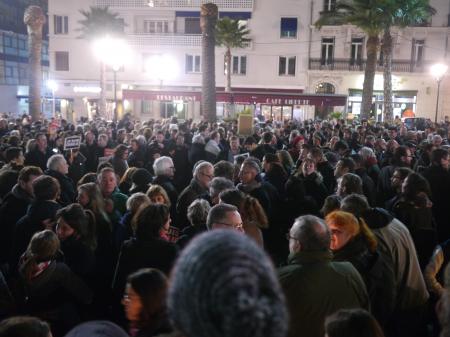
{"type": "Point", "coordinates": [222, 4]}
{"type": "Point", "coordinates": [402, 66]}
{"type": "Point", "coordinates": [168, 39]}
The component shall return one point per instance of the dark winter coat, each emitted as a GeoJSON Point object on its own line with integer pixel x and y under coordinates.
{"type": "Point", "coordinates": [136, 254]}
{"type": "Point", "coordinates": [29, 224]}
{"type": "Point", "coordinates": [187, 196]}
{"type": "Point", "coordinates": [38, 158]}
{"type": "Point", "coordinates": [315, 287]}
{"type": "Point", "coordinates": [439, 180]}
{"type": "Point", "coordinates": [68, 194]}
{"type": "Point", "coordinates": [13, 207]}
{"type": "Point", "coordinates": [377, 273]}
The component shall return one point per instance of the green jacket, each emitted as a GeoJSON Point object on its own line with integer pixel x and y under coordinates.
{"type": "Point", "coordinates": [316, 287]}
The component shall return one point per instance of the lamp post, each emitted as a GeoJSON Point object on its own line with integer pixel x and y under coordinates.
{"type": "Point", "coordinates": [115, 53]}
{"type": "Point", "coordinates": [438, 71]}
{"type": "Point", "coordinates": [53, 86]}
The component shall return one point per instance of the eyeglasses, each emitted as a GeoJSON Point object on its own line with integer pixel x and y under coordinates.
{"type": "Point", "coordinates": [239, 226]}
{"type": "Point", "coordinates": [207, 175]}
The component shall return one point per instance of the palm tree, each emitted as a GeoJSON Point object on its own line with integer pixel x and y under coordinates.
{"type": "Point", "coordinates": [34, 18]}
{"type": "Point", "coordinates": [400, 13]}
{"type": "Point", "coordinates": [208, 20]}
{"type": "Point", "coordinates": [100, 22]}
{"type": "Point", "coordinates": [366, 15]}
{"type": "Point", "coordinates": [230, 34]}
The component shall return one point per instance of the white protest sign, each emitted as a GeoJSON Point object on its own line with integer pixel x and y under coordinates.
{"type": "Point", "coordinates": [71, 143]}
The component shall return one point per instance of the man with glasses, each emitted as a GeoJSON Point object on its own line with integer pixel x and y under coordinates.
{"type": "Point", "coordinates": [224, 216]}
{"type": "Point", "coordinates": [397, 180]}
{"type": "Point", "coordinates": [314, 285]}
{"type": "Point", "coordinates": [199, 185]}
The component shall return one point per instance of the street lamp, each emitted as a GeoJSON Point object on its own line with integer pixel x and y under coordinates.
{"type": "Point", "coordinates": [438, 71]}
{"type": "Point", "coordinates": [115, 53]}
{"type": "Point", "coordinates": [53, 86]}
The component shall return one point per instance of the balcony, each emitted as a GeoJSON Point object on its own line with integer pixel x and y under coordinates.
{"type": "Point", "coordinates": [193, 4]}
{"type": "Point", "coordinates": [168, 39]}
{"type": "Point", "coordinates": [172, 40]}
{"type": "Point", "coordinates": [401, 66]}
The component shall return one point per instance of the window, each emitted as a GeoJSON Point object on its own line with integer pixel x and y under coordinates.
{"type": "Point", "coordinates": [329, 5]}
{"type": "Point", "coordinates": [61, 61]}
{"type": "Point", "coordinates": [7, 41]}
{"type": "Point", "coordinates": [288, 27]}
{"type": "Point", "coordinates": [193, 64]}
{"type": "Point", "coordinates": [357, 45]}
{"type": "Point", "coordinates": [286, 65]}
{"type": "Point", "coordinates": [327, 50]}
{"type": "Point", "coordinates": [192, 26]}
{"type": "Point", "coordinates": [152, 27]}
{"type": "Point", "coordinates": [60, 24]}
{"type": "Point", "coordinates": [239, 65]}
{"type": "Point", "coordinates": [417, 51]}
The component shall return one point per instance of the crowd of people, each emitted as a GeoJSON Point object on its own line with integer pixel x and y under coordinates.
{"type": "Point", "coordinates": [176, 228]}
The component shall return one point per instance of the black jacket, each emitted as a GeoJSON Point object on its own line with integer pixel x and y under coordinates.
{"type": "Point", "coordinates": [136, 254]}
{"type": "Point", "coordinates": [68, 193]}
{"type": "Point", "coordinates": [79, 257]}
{"type": "Point", "coordinates": [187, 196]}
{"type": "Point", "coordinates": [13, 207]}
{"type": "Point", "coordinates": [377, 272]}
{"type": "Point", "coordinates": [38, 158]}
{"type": "Point", "coordinates": [439, 180]}
{"type": "Point", "coordinates": [29, 224]}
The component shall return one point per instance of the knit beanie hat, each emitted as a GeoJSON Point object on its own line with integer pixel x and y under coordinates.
{"type": "Point", "coordinates": [97, 329]}
{"type": "Point", "coordinates": [224, 285]}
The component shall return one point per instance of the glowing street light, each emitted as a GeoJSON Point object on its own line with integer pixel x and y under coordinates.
{"type": "Point", "coordinates": [115, 53]}
{"type": "Point", "coordinates": [53, 86]}
{"type": "Point", "coordinates": [438, 71]}
{"type": "Point", "coordinates": [162, 67]}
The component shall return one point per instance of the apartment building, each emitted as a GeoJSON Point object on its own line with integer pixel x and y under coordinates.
{"type": "Point", "coordinates": [289, 70]}
{"type": "Point", "coordinates": [14, 59]}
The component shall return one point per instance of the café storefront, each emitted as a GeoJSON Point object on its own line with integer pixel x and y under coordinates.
{"type": "Point", "coordinates": [265, 104]}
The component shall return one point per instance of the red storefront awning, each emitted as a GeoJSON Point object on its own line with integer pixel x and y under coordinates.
{"type": "Point", "coordinates": [263, 97]}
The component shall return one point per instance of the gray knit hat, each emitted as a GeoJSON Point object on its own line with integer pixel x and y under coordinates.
{"type": "Point", "coordinates": [97, 329]}
{"type": "Point", "coordinates": [224, 285]}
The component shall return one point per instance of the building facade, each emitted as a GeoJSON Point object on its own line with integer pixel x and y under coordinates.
{"type": "Point", "coordinates": [14, 59]}
{"type": "Point", "coordinates": [289, 69]}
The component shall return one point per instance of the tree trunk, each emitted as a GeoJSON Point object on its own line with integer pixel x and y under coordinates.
{"type": "Point", "coordinates": [208, 19]}
{"type": "Point", "coordinates": [369, 75]}
{"type": "Point", "coordinates": [34, 18]}
{"type": "Point", "coordinates": [102, 103]}
{"type": "Point", "coordinates": [228, 69]}
{"type": "Point", "coordinates": [387, 75]}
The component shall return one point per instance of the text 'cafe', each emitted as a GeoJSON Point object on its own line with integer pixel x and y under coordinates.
{"type": "Point", "coordinates": [277, 105]}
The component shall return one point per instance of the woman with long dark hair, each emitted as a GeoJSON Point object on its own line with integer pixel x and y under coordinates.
{"type": "Point", "coordinates": [144, 302]}
{"type": "Point", "coordinates": [75, 228]}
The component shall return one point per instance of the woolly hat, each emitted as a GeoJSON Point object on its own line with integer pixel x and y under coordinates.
{"type": "Point", "coordinates": [97, 329]}
{"type": "Point", "coordinates": [224, 285]}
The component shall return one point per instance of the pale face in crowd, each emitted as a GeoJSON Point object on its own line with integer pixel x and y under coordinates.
{"type": "Point", "coordinates": [63, 230]}
{"type": "Point", "coordinates": [83, 198]}
{"type": "Point", "coordinates": [63, 167]}
{"type": "Point", "coordinates": [108, 183]}
{"type": "Point", "coordinates": [205, 176]}
{"type": "Point", "coordinates": [158, 199]}
{"type": "Point", "coordinates": [41, 143]}
{"type": "Point", "coordinates": [247, 174]}
{"type": "Point", "coordinates": [232, 220]}
{"type": "Point", "coordinates": [339, 237]}
{"type": "Point", "coordinates": [132, 304]}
